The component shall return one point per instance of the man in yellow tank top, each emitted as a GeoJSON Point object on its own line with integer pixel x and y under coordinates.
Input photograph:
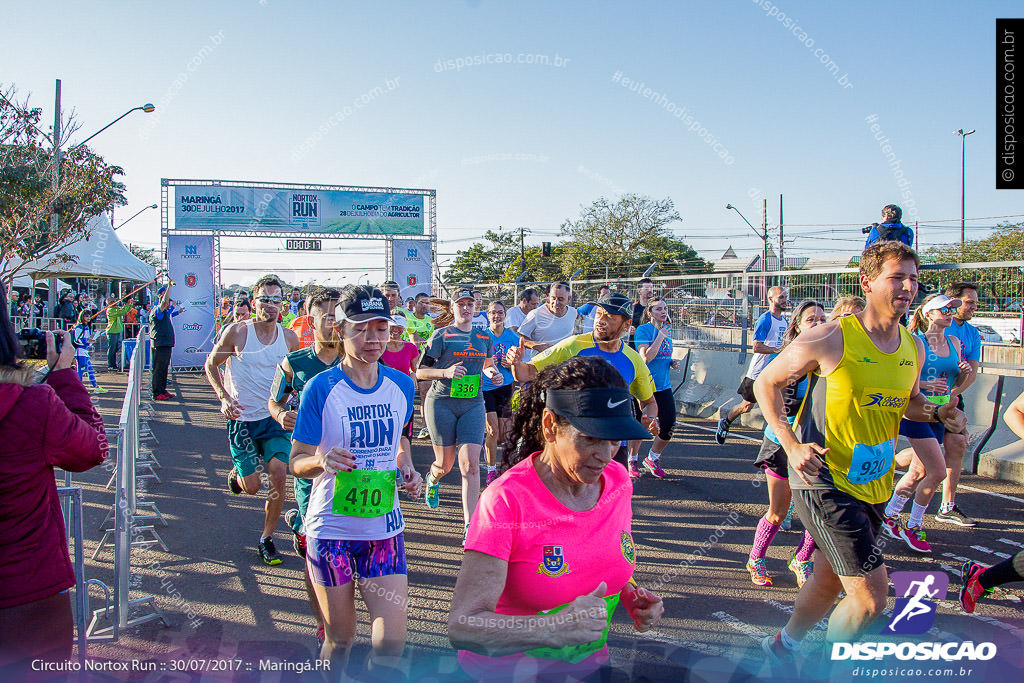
{"type": "Point", "coordinates": [864, 379]}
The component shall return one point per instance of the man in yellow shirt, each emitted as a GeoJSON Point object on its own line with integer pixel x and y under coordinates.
{"type": "Point", "coordinates": [864, 375]}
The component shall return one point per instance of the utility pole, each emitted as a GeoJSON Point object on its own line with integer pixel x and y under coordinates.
{"type": "Point", "coordinates": [764, 226]}
{"type": "Point", "coordinates": [51, 295]}
{"type": "Point", "coordinates": [780, 232]}
{"type": "Point", "coordinates": [522, 250]}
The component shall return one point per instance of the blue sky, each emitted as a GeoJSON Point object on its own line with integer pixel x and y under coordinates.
{"type": "Point", "coordinates": [521, 144]}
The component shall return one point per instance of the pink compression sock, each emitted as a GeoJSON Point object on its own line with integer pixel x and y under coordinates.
{"type": "Point", "coordinates": [806, 549]}
{"type": "Point", "coordinates": [763, 538]}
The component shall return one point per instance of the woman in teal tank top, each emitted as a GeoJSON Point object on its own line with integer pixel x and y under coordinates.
{"type": "Point", "coordinates": [941, 373]}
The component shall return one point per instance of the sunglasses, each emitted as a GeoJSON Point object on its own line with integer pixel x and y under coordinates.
{"type": "Point", "coordinates": [948, 310]}
{"type": "Point", "coordinates": [269, 299]}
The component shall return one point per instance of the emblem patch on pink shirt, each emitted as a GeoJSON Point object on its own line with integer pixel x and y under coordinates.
{"type": "Point", "coordinates": [554, 563]}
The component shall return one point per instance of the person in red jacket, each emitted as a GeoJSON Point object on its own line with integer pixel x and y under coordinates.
{"type": "Point", "coordinates": [42, 425]}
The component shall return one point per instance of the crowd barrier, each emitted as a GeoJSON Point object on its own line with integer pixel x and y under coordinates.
{"type": "Point", "coordinates": [707, 379]}
{"type": "Point", "coordinates": [125, 526]}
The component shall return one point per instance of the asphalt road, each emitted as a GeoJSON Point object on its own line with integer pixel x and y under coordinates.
{"type": "Point", "coordinates": [693, 533]}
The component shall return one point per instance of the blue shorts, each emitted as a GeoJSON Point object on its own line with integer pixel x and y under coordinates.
{"type": "Point", "coordinates": [922, 430]}
{"type": "Point", "coordinates": [254, 441]}
{"type": "Point", "coordinates": [335, 563]}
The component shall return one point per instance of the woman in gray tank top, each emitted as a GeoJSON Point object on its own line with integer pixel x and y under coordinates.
{"type": "Point", "coordinates": [454, 359]}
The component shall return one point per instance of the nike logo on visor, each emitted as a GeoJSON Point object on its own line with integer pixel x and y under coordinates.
{"type": "Point", "coordinates": [617, 403]}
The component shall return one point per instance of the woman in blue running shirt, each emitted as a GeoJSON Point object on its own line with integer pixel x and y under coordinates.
{"type": "Point", "coordinates": [654, 344]}
{"type": "Point", "coordinates": [942, 372]}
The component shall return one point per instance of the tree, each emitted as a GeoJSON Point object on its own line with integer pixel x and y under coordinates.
{"type": "Point", "coordinates": [488, 263]}
{"type": "Point", "coordinates": [143, 254]}
{"type": "Point", "coordinates": [997, 290]}
{"type": "Point", "coordinates": [86, 187]}
{"type": "Point", "coordinates": [632, 232]}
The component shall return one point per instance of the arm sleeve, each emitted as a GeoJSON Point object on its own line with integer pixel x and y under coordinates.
{"type": "Point", "coordinates": [644, 335]}
{"type": "Point", "coordinates": [763, 327]}
{"type": "Point", "coordinates": [74, 438]}
{"type": "Point", "coordinates": [975, 352]}
{"type": "Point", "coordinates": [563, 350]}
{"type": "Point", "coordinates": [309, 426]}
{"type": "Point", "coordinates": [492, 530]}
{"type": "Point", "coordinates": [529, 325]}
{"type": "Point", "coordinates": [585, 309]}
{"type": "Point", "coordinates": [433, 349]}
{"type": "Point", "coordinates": [642, 387]}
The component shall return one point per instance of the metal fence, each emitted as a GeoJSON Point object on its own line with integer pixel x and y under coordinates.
{"type": "Point", "coordinates": [716, 310]}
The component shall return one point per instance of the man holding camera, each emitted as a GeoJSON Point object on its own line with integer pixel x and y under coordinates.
{"type": "Point", "coordinates": [890, 228]}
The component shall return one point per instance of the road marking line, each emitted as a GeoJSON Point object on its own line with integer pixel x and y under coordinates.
{"type": "Point", "coordinates": [963, 487]}
{"type": "Point", "coordinates": [1009, 542]}
{"type": "Point", "coordinates": [740, 626]}
{"type": "Point", "coordinates": [983, 549]}
{"type": "Point", "coordinates": [735, 436]}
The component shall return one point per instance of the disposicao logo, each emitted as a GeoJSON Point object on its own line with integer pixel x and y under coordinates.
{"type": "Point", "coordinates": [914, 614]}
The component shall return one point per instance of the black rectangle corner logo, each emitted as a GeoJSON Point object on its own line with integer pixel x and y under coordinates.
{"type": "Point", "coordinates": [1009, 153]}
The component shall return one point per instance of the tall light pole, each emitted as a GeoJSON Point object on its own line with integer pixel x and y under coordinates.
{"type": "Point", "coordinates": [963, 148]}
{"type": "Point", "coordinates": [763, 238]}
{"type": "Point", "coordinates": [151, 206]}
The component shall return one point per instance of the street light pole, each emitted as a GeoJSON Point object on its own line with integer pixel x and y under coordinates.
{"type": "Point", "coordinates": [963, 149]}
{"type": "Point", "coordinates": [762, 237]}
{"type": "Point", "coordinates": [151, 206]}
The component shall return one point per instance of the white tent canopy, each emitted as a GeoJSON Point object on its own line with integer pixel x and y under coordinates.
{"type": "Point", "coordinates": [26, 281]}
{"type": "Point", "coordinates": [103, 255]}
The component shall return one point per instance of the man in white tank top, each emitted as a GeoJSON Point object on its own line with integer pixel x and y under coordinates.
{"type": "Point", "coordinates": [251, 350]}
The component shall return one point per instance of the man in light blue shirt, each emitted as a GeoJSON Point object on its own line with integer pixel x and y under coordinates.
{"type": "Point", "coordinates": [956, 444]}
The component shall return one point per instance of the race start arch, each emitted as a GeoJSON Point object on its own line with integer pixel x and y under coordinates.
{"type": "Point", "coordinates": [195, 214]}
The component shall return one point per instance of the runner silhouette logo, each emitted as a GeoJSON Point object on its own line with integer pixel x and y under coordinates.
{"type": "Point", "coordinates": [917, 593]}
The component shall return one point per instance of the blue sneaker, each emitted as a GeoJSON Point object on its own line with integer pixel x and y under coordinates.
{"type": "Point", "coordinates": [433, 498]}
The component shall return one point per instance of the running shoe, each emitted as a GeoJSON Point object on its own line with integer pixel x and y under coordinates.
{"type": "Point", "coordinates": [267, 552]}
{"type": "Point", "coordinates": [787, 523]}
{"type": "Point", "coordinates": [169, 395]}
{"type": "Point", "coordinates": [491, 476]}
{"type": "Point", "coordinates": [914, 537]}
{"type": "Point", "coordinates": [99, 390]}
{"type": "Point", "coordinates": [722, 431]}
{"type": "Point", "coordinates": [321, 636]}
{"type": "Point", "coordinates": [298, 538]}
{"type": "Point", "coordinates": [971, 589]}
{"type": "Point", "coordinates": [162, 397]}
{"type": "Point", "coordinates": [892, 526]}
{"type": "Point", "coordinates": [654, 467]}
{"type": "Point", "coordinates": [432, 496]}
{"type": "Point", "coordinates": [955, 516]}
{"type": "Point", "coordinates": [424, 434]}
{"type": "Point", "coordinates": [758, 572]}
{"type": "Point", "coordinates": [802, 570]}
{"type": "Point", "coordinates": [634, 469]}
{"type": "Point", "coordinates": [778, 654]}
{"type": "Point", "coordinates": [233, 484]}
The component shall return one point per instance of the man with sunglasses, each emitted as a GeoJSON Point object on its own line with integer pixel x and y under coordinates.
{"type": "Point", "coordinates": [251, 350]}
{"type": "Point", "coordinates": [956, 444]}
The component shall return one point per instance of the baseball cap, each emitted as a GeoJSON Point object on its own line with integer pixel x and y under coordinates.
{"type": "Point", "coordinates": [598, 412]}
{"type": "Point", "coordinates": [941, 301]}
{"type": "Point", "coordinates": [616, 304]}
{"type": "Point", "coordinates": [367, 305]}
{"type": "Point", "coordinates": [399, 320]}
{"type": "Point", "coordinates": [463, 293]}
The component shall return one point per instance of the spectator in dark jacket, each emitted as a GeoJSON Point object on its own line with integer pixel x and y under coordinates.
{"type": "Point", "coordinates": [161, 332]}
{"type": "Point", "coordinates": [890, 228]}
{"type": "Point", "coordinates": [66, 311]}
{"type": "Point", "coordinates": [42, 426]}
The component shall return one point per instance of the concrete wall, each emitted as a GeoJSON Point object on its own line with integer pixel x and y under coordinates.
{"type": "Point", "coordinates": [707, 380]}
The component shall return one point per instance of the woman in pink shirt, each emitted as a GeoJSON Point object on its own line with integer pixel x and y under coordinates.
{"type": "Point", "coordinates": [549, 552]}
{"type": "Point", "coordinates": [403, 356]}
